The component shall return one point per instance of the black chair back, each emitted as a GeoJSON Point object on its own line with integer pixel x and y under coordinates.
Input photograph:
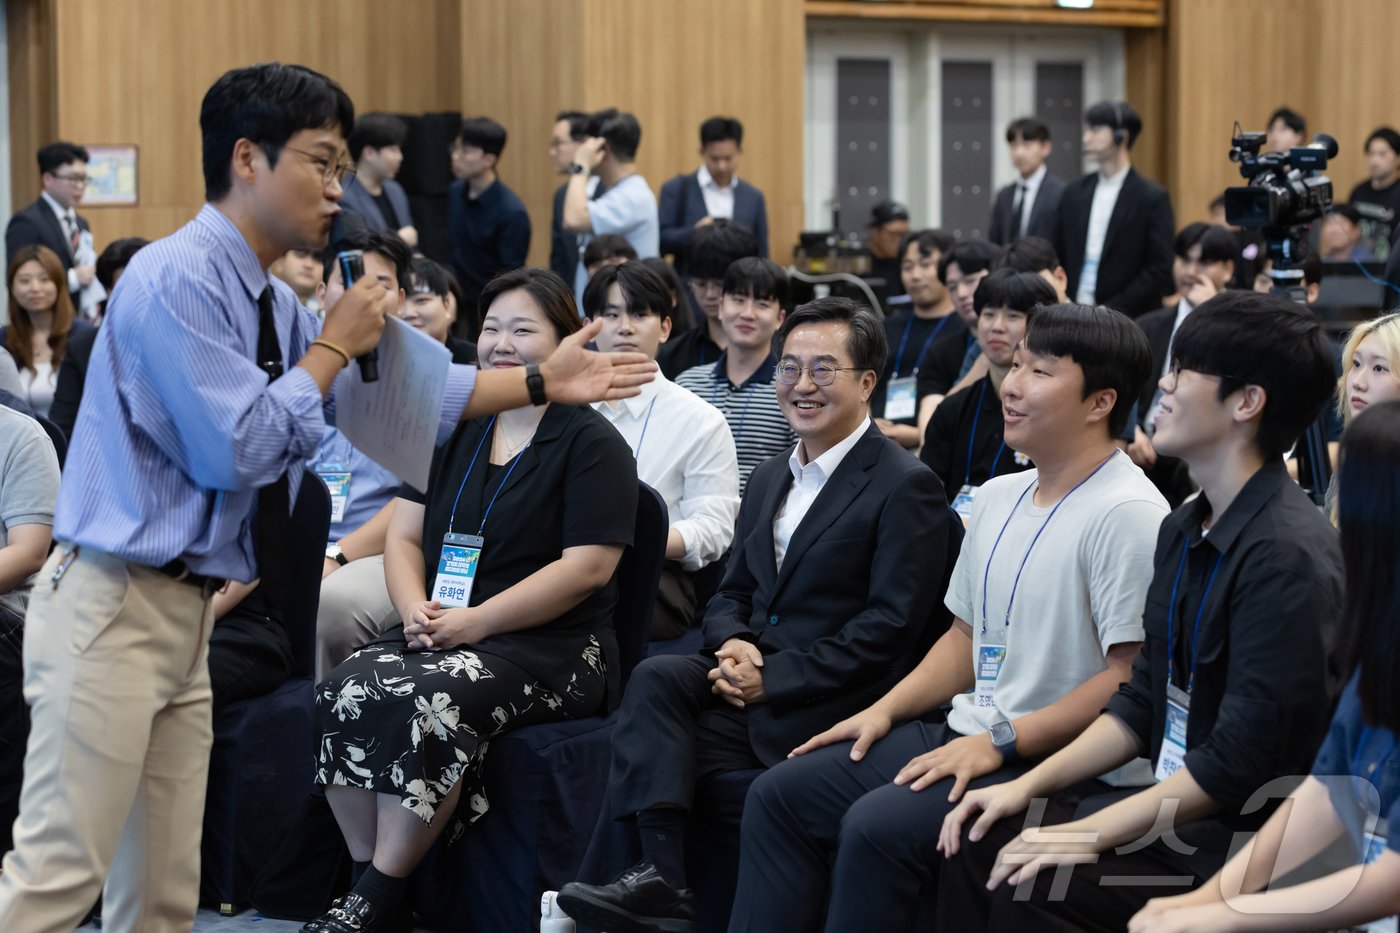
{"type": "Point", "coordinates": [638, 576]}
{"type": "Point", "coordinates": [310, 525]}
{"type": "Point", "coordinates": [60, 441]}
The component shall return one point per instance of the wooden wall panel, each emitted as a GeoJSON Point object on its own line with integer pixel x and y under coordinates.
{"type": "Point", "coordinates": [33, 90]}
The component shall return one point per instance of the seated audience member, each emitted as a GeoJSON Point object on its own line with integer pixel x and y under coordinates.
{"type": "Point", "coordinates": [41, 323]}
{"type": "Point", "coordinates": [711, 251]}
{"type": "Point", "coordinates": [740, 382]}
{"type": "Point", "coordinates": [426, 307]}
{"type": "Point", "coordinates": [680, 314]}
{"type": "Point", "coordinates": [1354, 791]}
{"type": "Point", "coordinates": [610, 249]}
{"type": "Point", "coordinates": [714, 191]}
{"type": "Point", "coordinates": [28, 490]}
{"type": "Point", "coordinates": [1286, 129]}
{"type": "Point", "coordinates": [831, 585]}
{"type": "Point", "coordinates": [910, 333]}
{"type": "Point", "coordinates": [1339, 236]}
{"type": "Point", "coordinates": [626, 206]}
{"type": "Point", "coordinates": [1377, 199]}
{"type": "Point", "coordinates": [884, 234]}
{"type": "Point", "coordinates": [1027, 207]}
{"type": "Point", "coordinates": [1312, 276]}
{"type": "Point", "coordinates": [953, 355]}
{"type": "Point", "coordinates": [1250, 246]}
{"type": "Point", "coordinates": [1370, 375]}
{"type": "Point", "coordinates": [376, 146]}
{"type": "Point", "coordinates": [112, 263]}
{"type": "Point", "coordinates": [524, 636]}
{"type": "Point", "coordinates": [486, 221]}
{"type": "Point", "coordinates": [1231, 689]}
{"type": "Point", "coordinates": [965, 443]}
{"type": "Point", "coordinates": [1043, 632]}
{"type": "Point", "coordinates": [570, 129]}
{"type": "Point", "coordinates": [681, 443]}
{"type": "Point", "coordinates": [299, 268]}
{"type": "Point", "coordinates": [1203, 267]}
{"type": "Point", "coordinates": [1035, 254]}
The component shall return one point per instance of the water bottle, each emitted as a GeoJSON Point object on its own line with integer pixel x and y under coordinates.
{"type": "Point", "coordinates": [552, 916]}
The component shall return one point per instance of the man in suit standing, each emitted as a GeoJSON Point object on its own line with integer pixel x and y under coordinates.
{"type": "Point", "coordinates": [53, 219]}
{"type": "Point", "coordinates": [711, 192]}
{"type": "Point", "coordinates": [376, 145]}
{"type": "Point", "coordinates": [837, 564]}
{"type": "Point", "coordinates": [1030, 206]}
{"type": "Point", "coordinates": [1115, 227]}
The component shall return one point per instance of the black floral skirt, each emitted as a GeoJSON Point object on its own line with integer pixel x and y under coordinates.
{"type": "Point", "coordinates": [414, 723]}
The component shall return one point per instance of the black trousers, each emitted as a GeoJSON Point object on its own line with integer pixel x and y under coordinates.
{"type": "Point", "coordinates": [250, 654]}
{"type": "Point", "coordinates": [823, 816]}
{"type": "Point", "coordinates": [14, 721]}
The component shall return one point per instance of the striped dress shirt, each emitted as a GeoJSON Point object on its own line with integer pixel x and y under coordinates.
{"type": "Point", "coordinates": [759, 427]}
{"type": "Point", "coordinates": [179, 426]}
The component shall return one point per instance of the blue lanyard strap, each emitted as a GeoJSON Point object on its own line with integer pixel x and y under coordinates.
{"type": "Point", "coordinates": [1196, 627]}
{"type": "Point", "coordinates": [738, 432]}
{"type": "Point", "coordinates": [452, 519]}
{"type": "Point", "coordinates": [504, 479]}
{"type": "Point", "coordinates": [972, 439]}
{"type": "Point", "coordinates": [641, 440]}
{"type": "Point", "coordinates": [928, 341]}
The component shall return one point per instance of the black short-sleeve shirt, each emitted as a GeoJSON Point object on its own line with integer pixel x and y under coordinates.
{"type": "Point", "coordinates": [942, 364]}
{"type": "Point", "coordinates": [574, 485]}
{"type": "Point", "coordinates": [967, 430]}
{"type": "Point", "coordinates": [914, 336]}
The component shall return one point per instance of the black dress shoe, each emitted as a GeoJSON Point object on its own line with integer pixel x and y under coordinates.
{"type": "Point", "coordinates": [639, 901]}
{"type": "Point", "coordinates": [354, 913]}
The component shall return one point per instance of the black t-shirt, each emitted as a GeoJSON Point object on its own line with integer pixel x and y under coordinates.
{"type": "Point", "coordinates": [964, 441]}
{"type": "Point", "coordinates": [910, 337]}
{"type": "Point", "coordinates": [573, 485]}
{"type": "Point", "coordinates": [692, 348]}
{"type": "Point", "coordinates": [888, 271]}
{"type": "Point", "coordinates": [942, 364]}
{"type": "Point", "coordinates": [386, 207]}
{"type": "Point", "coordinates": [463, 351]}
{"type": "Point", "coordinates": [1379, 210]}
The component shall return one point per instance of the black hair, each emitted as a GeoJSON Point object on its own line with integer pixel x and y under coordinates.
{"type": "Point", "coordinates": [1018, 291]}
{"type": "Point", "coordinates": [1390, 136]}
{"type": "Point", "coordinates": [1368, 519]}
{"type": "Point", "coordinates": [720, 129]}
{"type": "Point", "coordinates": [680, 308]}
{"type": "Point", "coordinates": [56, 155]}
{"type": "Point", "coordinates": [1117, 116]}
{"type": "Point", "coordinates": [1346, 211]}
{"type": "Point", "coordinates": [1248, 338]}
{"type": "Point", "coordinates": [383, 243]}
{"type": "Point", "coordinates": [867, 344]}
{"type": "Point", "coordinates": [554, 298]}
{"type": "Point", "coordinates": [578, 123]}
{"type": "Point", "coordinates": [1217, 203]}
{"type": "Point", "coordinates": [605, 247]}
{"type": "Point", "coordinates": [483, 133]}
{"type": "Point", "coordinates": [643, 291]}
{"type": "Point", "coordinates": [376, 130]}
{"type": "Point", "coordinates": [621, 130]}
{"type": "Point", "coordinates": [715, 246]}
{"type": "Point", "coordinates": [1291, 119]}
{"type": "Point", "coordinates": [1107, 345]}
{"type": "Point", "coordinates": [115, 258]}
{"type": "Point", "coordinates": [759, 278]}
{"type": "Point", "coordinates": [1217, 243]}
{"type": "Point", "coordinates": [1029, 129]}
{"type": "Point", "coordinates": [929, 241]}
{"type": "Point", "coordinates": [425, 275]}
{"type": "Point", "coordinates": [972, 256]}
{"type": "Point", "coordinates": [266, 104]}
{"type": "Point", "coordinates": [1029, 254]}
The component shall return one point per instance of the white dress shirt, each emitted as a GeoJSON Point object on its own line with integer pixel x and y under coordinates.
{"type": "Point", "coordinates": [685, 452]}
{"type": "Point", "coordinates": [66, 216]}
{"type": "Point", "coordinates": [1100, 212]}
{"type": "Point", "coordinates": [808, 480]}
{"type": "Point", "coordinates": [719, 202]}
{"type": "Point", "coordinates": [1032, 188]}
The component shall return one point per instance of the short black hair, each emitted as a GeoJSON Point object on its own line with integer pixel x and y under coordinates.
{"type": "Point", "coordinates": [1106, 344]}
{"type": "Point", "coordinates": [578, 123]}
{"type": "Point", "coordinates": [643, 290]}
{"type": "Point", "coordinates": [56, 155]}
{"type": "Point", "coordinates": [867, 344]}
{"type": "Point", "coordinates": [383, 243]}
{"type": "Point", "coordinates": [425, 275]}
{"type": "Point", "coordinates": [1346, 211]}
{"type": "Point", "coordinates": [680, 308]}
{"type": "Point", "coordinates": [1018, 291]}
{"type": "Point", "coordinates": [621, 130]}
{"type": "Point", "coordinates": [1389, 135]}
{"type": "Point", "coordinates": [1116, 115]}
{"type": "Point", "coordinates": [551, 294]}
{"type": "Point", "coordinates": [1029, 254]}
{"type": "Point", "coordinates": [266, 104]}
{"type": "Point", "coordinates": [1217, 242]}
{"type": "Point", "coordinates": [715, 246]}
{"type": "Point", "coordinates": [115, 258]}
{"type": "Point", "coordinates": [483, 133]}
{"type": "Point", "coordinates": [1029, 129]}
{"type": "Point", "coordinates": [929, 241]}
{"type": "Point", "coordinates": [376, 130]}
{"type": "Point", "coordinates": [759, 278]}
{"type": "Point", "coordinates": [721, 129]}
{"type": "Point", "coordinates": [972, 256]}
{"type": "Point", "coordinates": [1247, 338]}
{"type": "Point", "coordinates": [1292, 119]}
{"type": "Point", "coordinates": [608, 246]}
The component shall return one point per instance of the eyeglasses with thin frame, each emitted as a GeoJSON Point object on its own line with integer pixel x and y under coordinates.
{"type": "Point", "coordinates": [823, 374]}
{"type": "Point", "coordinates": [75, 179]}
{"type": "Point", "coordinates": [339, 172]}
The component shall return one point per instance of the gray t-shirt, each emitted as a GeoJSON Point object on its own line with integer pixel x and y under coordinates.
{"type": "Point", "coordinates": [28, 484]}
{"type": "Point", "coordinates": [1082, 590]}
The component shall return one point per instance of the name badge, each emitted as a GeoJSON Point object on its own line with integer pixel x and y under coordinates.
{"type": "Point", "coordinates": [337, 480]}
{"type": "Point", "coordinates": [963, 503]}
{"type": "Point", "coordinates": [991, 655]}
{"type": "Point", "coordinates": [456, 570]}
{"type": "Point", "coordinates": [1173, 756]}
{"type": "Point", "coordinates": [901, 398]}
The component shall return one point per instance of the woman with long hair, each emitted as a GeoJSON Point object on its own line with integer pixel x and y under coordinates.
{"type": "Point", "coordinates": [41, 322]}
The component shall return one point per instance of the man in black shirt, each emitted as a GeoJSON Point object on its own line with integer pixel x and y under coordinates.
{"type": "Point", "coordinates": [954, 356]}
{"type": "Point", "coordinates": [486, 221]}
{"type": "Point", "coordinates": [713, 249]}
{"type": "Point", "coordinates": [1232, 688]}
{"type": "Point", "coordinates": [1377, 199]}
{"type": "Point", "coordinates": [889, 225]}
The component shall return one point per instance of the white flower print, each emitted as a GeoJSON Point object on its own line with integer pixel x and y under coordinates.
{"type": "Point", "coordinates": [438, 717]}
{"type": "Point", "coordinates": [347, 702]}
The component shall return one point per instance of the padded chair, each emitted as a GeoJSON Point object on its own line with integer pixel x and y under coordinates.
{"type": "Point", "coordinates": [260, 768]}
{"type": "Point", "coordinates": [60, 441]}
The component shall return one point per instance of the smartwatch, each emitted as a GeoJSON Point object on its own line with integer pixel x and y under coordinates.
{"type": "Point", "coordinates": [576, 169]}
{"type": "Point", "coordinates": [534, 384]}
{"type": "Point", "coordinates": [333, 552]}
{"type": "Point", "coordinates": [1004, 740]}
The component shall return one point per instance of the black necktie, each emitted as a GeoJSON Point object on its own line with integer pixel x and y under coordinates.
{"type": "Point", "coordinates": [274, 499]}
{"type": "Point", "coordinates": [1020, 210]}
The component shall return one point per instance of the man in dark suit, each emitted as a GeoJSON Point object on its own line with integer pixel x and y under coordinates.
{"type": "Point", "coordinates": [53, 220]}
{"type": "Point", "coordinates": [1115, 228]}
{"type": "Point", "coordinates": [838, 561]}
{"type": "Point", "coordinates": [712, 192]}
{"type": "Point", "coordinates": [1030, 206]}
{"type": "Point", "coordinates": [376, 145]}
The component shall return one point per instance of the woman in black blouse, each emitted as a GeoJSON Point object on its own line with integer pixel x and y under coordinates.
{"type": "Point", "coordinates": [534, 500]}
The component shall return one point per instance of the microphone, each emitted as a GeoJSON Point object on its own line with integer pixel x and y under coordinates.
{"type": "Point", "coordinates": [352, 267]}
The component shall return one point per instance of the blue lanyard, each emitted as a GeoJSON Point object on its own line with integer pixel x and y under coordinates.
{"type": "Point", "coordinates": [452, 519]}
{"type": "Point", "coordinates": [738, 432]}
{"type": "Point", "coordinates": [972, 439]}
{"type": "Point", "coordinates": [1027, 556]}
{"type": "Point", "coordinates": [909, 327]}
{"type": "Point", "coordinates": [1196, 627]}
{"type": "Point", "coordinates": [641, 440]}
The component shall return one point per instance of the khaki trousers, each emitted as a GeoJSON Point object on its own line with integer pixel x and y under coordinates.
{"type": "Point", "coordinates": [116, 676]}
{"type": "Point", "coordinates": [355, 609]}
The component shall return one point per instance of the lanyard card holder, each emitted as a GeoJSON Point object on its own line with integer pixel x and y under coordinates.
{"type": "Point", "coordinates": [456, 571]}
{"type": "Point", "coordinates": [337, 479]}
{"type": "Point", "coordinates": [991, 655]}
{"type": "Point", "coordinates": [1173, 755]}
{"type": "Point", "coordinates": [901, 398]}
{"type": "Point", "coordinates": [962, 503]}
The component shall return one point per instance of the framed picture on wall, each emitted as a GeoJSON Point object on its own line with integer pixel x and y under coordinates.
{"type": "Point", "coordinates": [111, 176]}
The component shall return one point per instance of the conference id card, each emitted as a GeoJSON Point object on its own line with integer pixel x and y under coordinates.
{"type": "Point", "coordinates": [337, 480]}
{"type": "Point", "coordinates": [1173, 756]}
{"type": "Point", "coordinates": [901, 398]}
{"type": "Point", "coordinates": [991, 655]}
{"type": "Point", "coordinates": [962, 503]}
{"type": "Point", "coordinates": [456, 571]}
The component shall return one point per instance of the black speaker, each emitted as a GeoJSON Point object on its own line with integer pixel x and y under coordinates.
{"type": "Point", "coordinates": [427, 162]}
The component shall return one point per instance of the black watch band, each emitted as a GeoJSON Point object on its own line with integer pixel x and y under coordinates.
{"type": "Point", "coordinates": [534, 383]}
{"type": "Point", "coordinates": [576, 169]}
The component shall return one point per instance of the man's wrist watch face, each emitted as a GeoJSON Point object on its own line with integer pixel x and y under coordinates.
{"type": "Point", "coordinates": [1003, 735]}
{"type": "Point", "coordinates": [576, 169]}
{"type": "Point", "coordinates": [334, 553]}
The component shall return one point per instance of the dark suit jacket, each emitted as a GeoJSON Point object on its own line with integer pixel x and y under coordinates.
{"type": "Point", "coordinates": [359, 200]}
{"type": "Point", "coordinates": [72, 373]}
{"type": "Point", "coordinates": [563, 245]}
{"type": "Point", "coordinates": [682, 206]}
{"type": "Point", "coordinates": [1135, 270]}
{"type": "Point", "coordinates": [860, 587]}
{"type": "Point", "coordinates": [1045, 211]}
{"type": "Point", "coordinates": [37, 224]}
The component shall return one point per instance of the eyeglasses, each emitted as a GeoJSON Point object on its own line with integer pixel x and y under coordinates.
{"type": "Point", "coordinates": [75, 179]}
{"type": "Point", "coordinates": [823, 374]}
{"type": "Point", "coordinates": [707, 286]}
{"type": "Point", "coordinates": [338, 172]}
